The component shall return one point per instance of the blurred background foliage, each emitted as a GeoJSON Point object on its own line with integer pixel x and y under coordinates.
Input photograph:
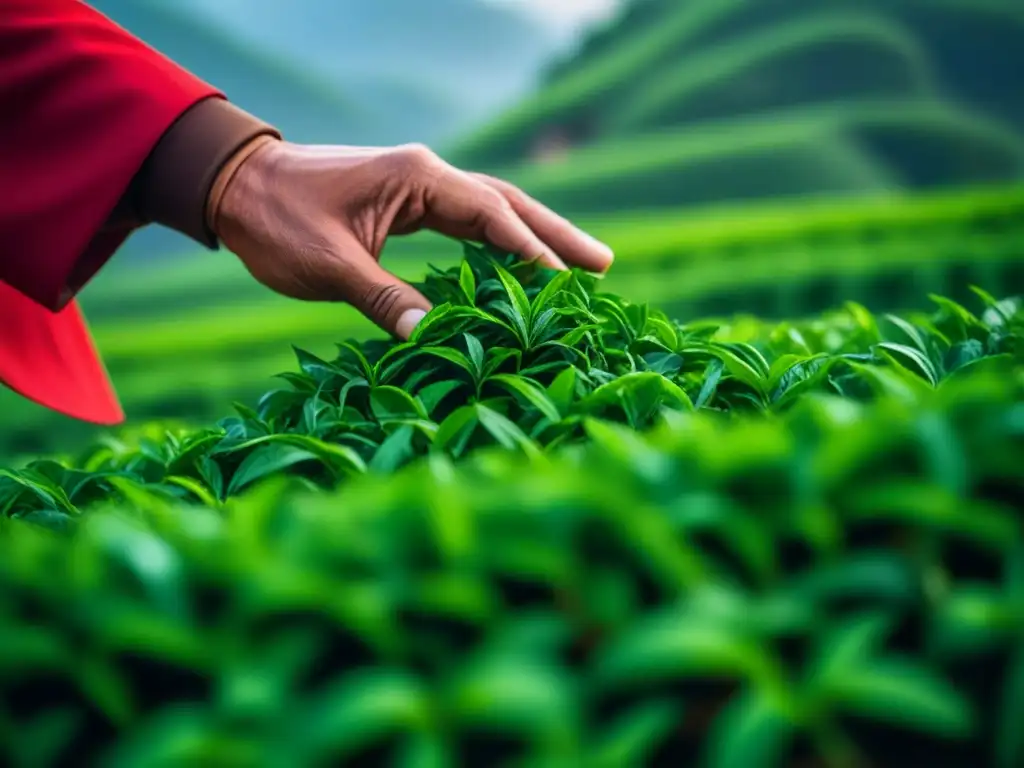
{"type": "Point", "coordinates": [774, 157]}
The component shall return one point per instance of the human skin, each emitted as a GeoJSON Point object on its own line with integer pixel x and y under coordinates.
{"type": "Point", "coordinates": [310, 222]}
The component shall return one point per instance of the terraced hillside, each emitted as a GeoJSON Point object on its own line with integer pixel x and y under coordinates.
{"type": "Point", "coordinates": [399, 66]}
{"type": "Point", "coordinates": [854, 93]}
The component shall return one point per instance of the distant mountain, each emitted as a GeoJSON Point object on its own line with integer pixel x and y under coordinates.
{"type": "Point", "coordinates": [306, 105]}
{"type": "Point", "coordinates": [470, 56]}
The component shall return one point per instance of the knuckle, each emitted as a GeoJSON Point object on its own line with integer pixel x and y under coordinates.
{"type": "Point", "coordinates": [493, 215]}
{"type": "Point", "coordinates": [508, 189]}
{"type": "Point", "coordinates": [417, 156]}
{"type": "Point", "coordinates": [494, 204]}
{"type": "Point", "coordinates": [380, 299]}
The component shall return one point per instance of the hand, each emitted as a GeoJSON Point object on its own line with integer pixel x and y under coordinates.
{"type": "Point", "coordinates": [310, 222]}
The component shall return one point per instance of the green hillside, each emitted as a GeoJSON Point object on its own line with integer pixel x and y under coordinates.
{"type": "Point", "coordinates": [843, 148]}
{"type": "Point", "coordinates": [670, 66]}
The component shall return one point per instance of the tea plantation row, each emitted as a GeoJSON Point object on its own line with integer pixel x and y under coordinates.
{"type": "Point", "coordinates": [555, 528]}
{"type": "Point", "coordinates": [782, 260]}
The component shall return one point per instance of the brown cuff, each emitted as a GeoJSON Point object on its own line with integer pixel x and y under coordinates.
{"type": "Point", "coordinates": [173, 185]}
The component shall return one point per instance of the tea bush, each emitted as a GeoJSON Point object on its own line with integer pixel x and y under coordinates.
{"type": "Point", "coordinates": [781, 260]}
{"type": "Point", "coordinates": [842, 585]}
{"type": "Point", "coordinates": [522, 362]}
{"type": "Point", "coordinates": [555, 528]}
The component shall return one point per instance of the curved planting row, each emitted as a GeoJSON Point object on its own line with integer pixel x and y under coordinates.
{"type": "Point", "coordinates": [787, 260]}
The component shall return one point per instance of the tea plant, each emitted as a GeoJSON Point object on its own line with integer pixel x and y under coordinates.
{"type": "Point", "coordinates": [520, 357]}
{"type": "Point", "coordinates": [841, 585]}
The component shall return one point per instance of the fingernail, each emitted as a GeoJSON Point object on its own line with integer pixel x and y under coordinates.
{"type": "Point", "coordinates": [408, 321]}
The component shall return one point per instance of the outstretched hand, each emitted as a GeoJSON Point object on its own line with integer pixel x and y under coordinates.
{"type": "Point", "coordinates": [310, 222]}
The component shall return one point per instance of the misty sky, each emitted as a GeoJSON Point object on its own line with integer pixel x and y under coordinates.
{"type": "Point", "coordinates": [565, 15]}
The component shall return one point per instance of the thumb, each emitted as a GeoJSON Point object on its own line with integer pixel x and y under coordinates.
{"type": "Point", "coordinates": [394, 305]}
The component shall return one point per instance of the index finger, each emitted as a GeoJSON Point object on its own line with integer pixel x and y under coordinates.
{"type": "Point", "coordinates": [573, 245]}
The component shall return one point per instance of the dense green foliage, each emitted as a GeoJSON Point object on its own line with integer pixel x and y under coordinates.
{"type": "Point", "coordinates": [559, 527]}
{"type": "Point", "coordinates": [628, 541]}
{"type": "Point", "coordinates": [523, 362]}
{"type": "Point", "coordinates": [781, 260]}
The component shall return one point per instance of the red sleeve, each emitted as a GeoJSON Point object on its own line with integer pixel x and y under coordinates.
{"type": "Point", "coordinates": [83, 104]}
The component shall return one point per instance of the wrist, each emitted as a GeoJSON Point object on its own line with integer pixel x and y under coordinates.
{"type": "Point", "coordinates": [244, 157]}
{"type": "Point", "coordinates": [172, 187]}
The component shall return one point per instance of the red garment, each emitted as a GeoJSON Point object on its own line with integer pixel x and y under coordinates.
{"type": "Point", "coordinates": [82, 104]}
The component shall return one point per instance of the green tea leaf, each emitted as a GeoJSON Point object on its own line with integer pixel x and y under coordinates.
{"type": "Point", "coordinates": [712, 376]}
{"type": "Point", "coordinates": [911, 332]}
{"type": "Point", "coordinates": [739, 368]}
{"type": "Point", "coordinates": [467, 282]}
{"type": "Point", "coordinates": [543, 300]}
{"type": "Point", "coordinates": [665, 363]}
{"type": "Point", "coordinates": [452, 356]}
{"type": "Point", "coordinates": [674, 645]}
{"type": "Point", "coordinates": [521, 311]}
{"type": "Point", "coordinates": [633, 738]}
{"type": "Point", "coordinates": [454, 432]}
{"type": "Point", "coordinates": [505, 432]}
{"type": "Point", "coordinates": [846, 646]}
{"type": "Point", "coordinates": [195, 488]}
{"type": "Point", "coordinates": [905, 693]}
{"type": "Point", "coordinates": [515, 694]}
{"type": "Point", "coordinates": [753, 731]}
{"type": "Point", "coordinates": [264, 461]}
{"type": "Point", "coordinates": [358, 709]}
{"type": "Point", "coordinates": [432, 395]}
{"type": "Point", "coordinates": [396, 450]}
{"type": "Point", "coordinates": [562, 390]}
{"type": "Point", "coordinates": [476, 355]}
{"type": "Point", "coordinates": [390, 403]}
{"type": "Point", "coordinates": [338, 458]}
{"type": "Point", "coordinates": [531, 392]}
{"type": "Point", "coordinates": [319, 370]}
{"type": "Point", "coordinates": [912, 360]}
